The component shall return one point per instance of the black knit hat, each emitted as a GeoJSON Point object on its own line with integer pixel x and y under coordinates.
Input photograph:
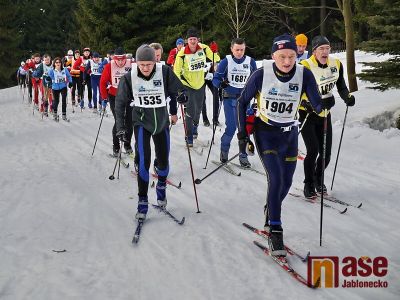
{"type": "Point", "coordinates": [192, 32]}
{"type": "Point", "coordinates": [119, 51]}
{"type": "Point", "coordinates": [319, 40]}
{"type": "Point", "coordinates": [145, 53]}
{"type": "Point", "coordinates": [284, 41]}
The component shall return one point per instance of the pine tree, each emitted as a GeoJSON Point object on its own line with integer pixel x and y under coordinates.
{"type": "Point", "coordinates": [9, 40]}
{"type": "Point", "coordinates": [385, 38]}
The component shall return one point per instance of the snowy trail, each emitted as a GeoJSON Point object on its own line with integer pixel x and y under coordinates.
{"type": "Point", "coordinates": [54, 196]}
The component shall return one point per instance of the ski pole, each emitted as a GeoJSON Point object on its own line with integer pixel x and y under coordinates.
{"type": "Point", "coordinates": [304, 123]}
{"type": "Point", "coordinates": [119, 158]}
{"type": "Point", "coordinates": [98, 131]}
{"type": "Point", "coordinates": [190, 159]}
{"type": "Point", "coordinates": [198, 181]}
{"type": "Point", "coordinates": [213, 134]}
{"type": "Point", "coordinates": [111, 177]}
{"type": "Point", "coordinates": [323, 172]}
{"type": "Point", "coordinates": [340, 144]}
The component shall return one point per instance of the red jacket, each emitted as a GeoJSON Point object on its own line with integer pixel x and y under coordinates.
{"type": "Point", "coordinates": [172, 56]}
{"type": "Point", "coordinates": [78, 64]}
{"type": "Point", "coordinates": [105, 83]}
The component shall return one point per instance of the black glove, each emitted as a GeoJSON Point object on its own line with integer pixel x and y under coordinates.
{"type": "Point", "coordinates": [121, 136]}
{"type": "Point", "coordinates": [182, 98]}
{"type": "Point", "coordinates": [350, 101]}
{"type": "Point", "coordinates": [70, 85]}
{"type": "Point", "coordinates": [243, 140]}
{"type": "Point", "coordinates": [328, 103]}
{"type": "Point", "coordinates": [224, 84]}
{"type": "Point", "coordinates": [307, 106]}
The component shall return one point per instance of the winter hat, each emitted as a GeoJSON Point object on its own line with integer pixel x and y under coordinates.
{"type": "Point", "coordinates": [145, 53]}
{"type": "Point", "coordinates": [119, 51]}
{"type": "Point", "coordinates": [96, 55]}
{"type": "Point", "coordinates": [86, 49]}
{"type": "Point", "coordinates": [180, 41]}
{"type": "Point", "coordinates": [319, 40]}
{"type": "Point", "coordinates": [77, 51]}
{"type": "Point", "coordinates": [301, 40]}
{"type": "Point", "coordinates": [284, 41]}
{"type": "Point", "coordinates": [70, 52]}
{"type": "Point", "coordinates": [192, 32]}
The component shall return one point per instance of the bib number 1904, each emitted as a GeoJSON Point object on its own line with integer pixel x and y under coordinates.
{"type": "Point", "coordinates": [279, 107]}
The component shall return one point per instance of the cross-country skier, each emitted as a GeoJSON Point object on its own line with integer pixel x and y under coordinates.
{"type": "Point", "coordinates": [146, 88]}
{"type": "Point", "coordinates": [60, 79]}
{"type": "Point", "coordinates": [36, 82]}
{"type": "Point", "coordinates": [109, 81]}
{"type": "Point", "coordinates": [180, 43]}
{"type": "Point", "coordinates": [76, 79]}
{"type": "Point", "coordinates": [42, 72]}
{"type": "Point", "coordinates": [189, 67]}
{"type": "Point", "coordinates": [277, 86]}
{"type": "Point", "coordinates": [21, 75]}
{"type": "Point", "coordinates": [93, 75]}
{"type": "Point", "coordinates": [301, 42]}
{"type": "Point", "coordinates": [232, 74]}
{"type": "Point", "coordinates": [328, 73]}
{"type": "Point", "coordinates": [80, 64]}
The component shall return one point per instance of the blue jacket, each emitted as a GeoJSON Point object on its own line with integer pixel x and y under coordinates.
{"type": "Point", "coordinates": [222, 73]}
{"type": "Point", "coordinates": [254, 86]}
{"type": "Point", "coordinates": [60, 85]}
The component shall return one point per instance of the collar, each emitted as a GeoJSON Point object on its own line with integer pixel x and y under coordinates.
{"type": "Point", "coordinates": [187, 49]}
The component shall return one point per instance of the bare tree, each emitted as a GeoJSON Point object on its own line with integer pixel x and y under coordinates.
{"type": "Point", "coordinates": [238, 15]}
{"type": "Point", "coordinates": [345, 8]}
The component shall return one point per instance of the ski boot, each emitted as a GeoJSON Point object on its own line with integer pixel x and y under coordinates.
{"type": "Point", "coordinates": [309, 190]}
{"type": "Point", "coordinates": [223, 157]}
{"type": "Point", "coordinates": [161, 191]}
{"type": "Point", "coordinates": [275, 241]}
{"type": "Point", "coordinates": [195, 131]}
{"type": "Point", "coordinates": [244, 161]}
{"type": "Point", "coordinates": [143, 207]}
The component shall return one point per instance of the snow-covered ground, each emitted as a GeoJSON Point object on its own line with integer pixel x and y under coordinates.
{"type": "Point", "coordinates": [55, 196]}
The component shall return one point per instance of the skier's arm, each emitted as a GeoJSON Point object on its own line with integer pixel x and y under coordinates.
{"type": "Point", "coordinates": [38, 72]}
{"type": "Point", "coordinates": [251, 89]}
{"type": "Point", "coordinates": [220, 74]}
{"type": "Point", "coordinates": [311, 89]}
{"type": "Point", "coordinates": [122, 100]}
{"type": "Point", "coordinates": [174, 87]}
{"type": "Point", "coordinates": [104, 80]}
{"type": "Point", "coordinates": [341, 84]}
{"type": "Point", "coordinates": [69, 77]}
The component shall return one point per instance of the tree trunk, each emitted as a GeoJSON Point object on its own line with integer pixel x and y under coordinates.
{"type": "Point", "coordinates": [322, 18]}
{"type": "Point", "coordinates": [349, 30]}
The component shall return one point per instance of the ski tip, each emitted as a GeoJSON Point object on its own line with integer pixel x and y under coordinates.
{"type": "Point", "coordinates": [248, 226]}
{"type": "Point", "coordinates": [135, 240]}
{"type": "Point", "coordinates": [305, 258]}
{"type": "Point", "coordinates": [344, 211]}
{"type": "Point", "coordinates": [259, 245]}
{"type": "Point", "coordinates": [182, 221]}
{"type": "Point", "coordinates": [359, 206]}
{"type": "Point", "coordinates": [239, 174]}
{"type": "Point", "coordinates": [316, 284]}
{"type": "Point", "coordinates": [197, 181]}
{"type": "Point", "coordinates": [179, 185]}
{"type": "Point", "coordinates": [112, 177]}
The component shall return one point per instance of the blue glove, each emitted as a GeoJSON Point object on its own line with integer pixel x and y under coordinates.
{"type": "Point", "coordinates": [104, 103]}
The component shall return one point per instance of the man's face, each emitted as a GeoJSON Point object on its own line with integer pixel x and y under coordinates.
{"type": "Point", "coordinates": [70, 57]}
{"type": "Point", "coordinates": [120, 60]}
{"type": "Point", "coordinates": [96, 59]}
{"type": "Point", "coordinates": [238, 50]}
{"type": "Point", "coordinates": [146, 67]}
{"type": "Point", "coordinates": [86, 53]}
{"type": "Point", "coordinates": [158, 54]}
{"type": "Point", "coordinates": [192, 42]}
{"type": "Point", "coordinates": [301, 49]}
{"type": "Point", "coordinates": [284, 59]}
{"type": "Point", "coordinates": [322, 53]}
{"type": "Point", "coordinates": [77, 55]}
{"type": "Point", "coordinates": [179, 46]}
{"type": "Point", "coordinates": [37, 59]}
{"type": "Point", "coordinates": [47, 60]}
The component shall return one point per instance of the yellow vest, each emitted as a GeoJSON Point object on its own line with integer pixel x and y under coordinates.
{"type": "Point", "coordinates": [326, 78]}
{"type": "Point", "coordinates": [190, 67]}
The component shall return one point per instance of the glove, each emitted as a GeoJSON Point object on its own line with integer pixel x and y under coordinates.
{"type": "Point", "coordinates": [243, 140]}
{"type": "Point", "coordinates": [121, 136]}
{"type": "Point", "coordinates": [182, 98]}
{"type": "Point", "coordinates": [350, 101]}
{"type": "Point", "coordinates": [70, 85]}
{"type": "Point", "coordinates": [104, 103]}
{"type": "Point", "coordinates": [214, 47]}
{"type": "Point", "coordinates": [83, 82]}
{"type": "Point", "coordinates": [224, 84]}
{"type": "Point", "coordinates": [307, 106]}
{"type": "Point", "coordinates": [328, 103]}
